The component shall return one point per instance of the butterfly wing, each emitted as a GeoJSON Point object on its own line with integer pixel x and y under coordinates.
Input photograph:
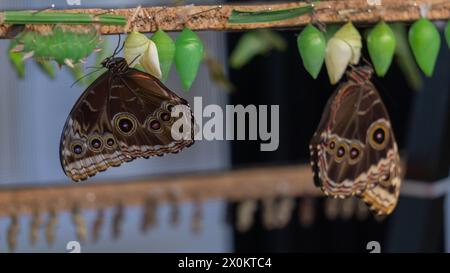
{"type": "Point", "coordinates": [144, 101]}
{"type": "Point", "coordinates": [354, 152]}
{"type": "Point", "coordinates": [117, 119]}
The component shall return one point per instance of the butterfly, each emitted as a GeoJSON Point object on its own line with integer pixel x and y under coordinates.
{"type": "Point", "coordinates": [123, 115]}
{"type": "Point", "coordinates": [353, 151]}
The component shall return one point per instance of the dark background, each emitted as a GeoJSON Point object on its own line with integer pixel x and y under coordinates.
{"type": "Point", "coordinates": [279, 78]}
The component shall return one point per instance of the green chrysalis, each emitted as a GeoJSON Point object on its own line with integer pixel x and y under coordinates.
{"type": "Point", "coordinates": [166, 51]}
{"type": "Point", "coordinates": [16, 59]}
{"type": "Point", "coordinates": [425, 43]}
{"type": "Point", "coordinates": [381, 46]}
{"type": "Point", "coordinates": [189, 52]}
{"type": "Point", "coordinates": [255, 43]}
{"type": "Point", "coordinates": [311, 44]}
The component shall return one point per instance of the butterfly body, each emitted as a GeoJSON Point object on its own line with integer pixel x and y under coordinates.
{"type": "Point", "coordinates": [354, 151]}
{"type": "Point", "coordinates": [123, 115]}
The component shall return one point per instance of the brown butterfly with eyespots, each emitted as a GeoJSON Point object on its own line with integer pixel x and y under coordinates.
{"type": "Point", "coordinates": [123, 115]}
{"type": "Point", "coordinates": [353, 151]}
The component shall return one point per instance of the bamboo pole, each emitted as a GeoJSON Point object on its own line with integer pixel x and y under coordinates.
{"type": "Point", "coordinates": [215, 17]}
{"type": "Point", "coordinates": [229, 185]}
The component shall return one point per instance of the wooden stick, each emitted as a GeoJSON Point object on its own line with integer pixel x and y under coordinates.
{"type": "Point", "coordinates": [231, 185]}
{"type": "Point", "coordinates": [210, 17]}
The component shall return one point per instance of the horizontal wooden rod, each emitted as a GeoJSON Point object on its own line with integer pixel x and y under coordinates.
{"type": "Point", "coordinates": [228, 185]}
{"type": "Point", "coordinates": [215, 17]}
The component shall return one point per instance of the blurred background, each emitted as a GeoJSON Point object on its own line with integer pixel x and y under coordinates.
{"type": "Point", "coordinates": [33, 111]}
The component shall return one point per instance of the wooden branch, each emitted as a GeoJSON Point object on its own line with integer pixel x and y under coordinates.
{"type": "Point", "coordinates": [232, 185]}
{"type": "Point", "coordinates": [216, 17]}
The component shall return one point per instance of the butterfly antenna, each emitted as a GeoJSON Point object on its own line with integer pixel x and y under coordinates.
{"type": "Point", "coordinates": [135, 58]}
{"type": "Point", "coordinates": [90, 73]}
{"type": "Point", "coordinates": [121, 48]}
{"type": "Point", "coordinates": [117, 47]}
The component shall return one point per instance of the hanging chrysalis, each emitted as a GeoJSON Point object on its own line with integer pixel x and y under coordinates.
{"type": "Point", "coordinates": [150, 210]}
{"type": "Point", "coordinates": [79, 223]}
{"type": "Point", "coordinates": [447, 33]}
{"type": "Point", "coordinates": [311, 44]}
{"type": "Point", "coordinates": [13, 231]}
{"type": "Point", "coordinates": [166, 52]}
{"type": "Point", "coordinates": [425, 43]}
{"type": "Point", "coordinates": [343, 48]}
{"type": "Point", "coordinates": [331, 208]}
{"type": "Point", "coordinates": [35, 225]}
{"type": "Point", "coordinates": [245, 213]}
{"type": "Point", "coordinates": [138, 49]}
{"type": "Point", "coordinates": [362, 211]}
{"type": "Point", "coordinates": [117, 221]}
{"type": "Point", "coordinates": [197, 217]}
{"type": "Point", "coordinates": [268, 215]}
{"type": "Point", "coordinates": [306, 211]}
{"type": "Point", "coordinates": [16, 59]}
{"type": "Point", "coordinates": [347, 208]}
{"type": "Point", "coordinates": [97, 225]}
{"type": "Point", "coordinates": [50, 226]}
{"type": "Point", "coordinates": [174, 214]}
{"type": "Point", "coordinates": [381, 45]}
{"type": "Point", "coordinates": [189, 52]}
{"type": "Point", "coordinates": [64, 45]}
{"type": "Point", "coordinates": [283, 212]}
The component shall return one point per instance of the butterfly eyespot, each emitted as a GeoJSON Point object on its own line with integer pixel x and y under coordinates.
{"type": "Point", "coordinates": [77, 148]}
{"type": "Point", "coordinates": [154, 125]}
{"type": "Point", "coordinates": [378, 135]}
{"type": "Point", "coordinates": [331, 145]}
{"type": "Point", "coordinates": [109, 141]}
{"type": "Point", "coordinates": [354, 154]}
{"type": "Point", "coordinates": [165, 116]}
{"type": "Point", "coordinates": [168, 106]}
{"type": "Point", "coordinates": [125, 123]}
{"type": "Point", "coordinates": [341, 152]}
{"type": "Point", "coordinates": [95, 143]}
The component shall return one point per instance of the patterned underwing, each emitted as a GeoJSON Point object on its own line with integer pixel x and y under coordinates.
{"type": "Point", "coordinates": [353, 151]}
{"type": "Point", "coordinates": [123, 115]}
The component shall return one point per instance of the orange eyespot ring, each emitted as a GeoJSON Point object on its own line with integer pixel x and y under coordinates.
{"type": "Point", "coordinates": [378, 135]}
{"type": "Point", "coordinates": [77, 148]}
{"type": "Point", "coordinates": [125, 123]}
{"type": "Point", "coordinates": [331, 145]}
{"type": "Point", "coordinates": [355, 153]}
{"type": "Point", "coordinates": [95, 143]}
{"type": "Point", "coordinates": [341, 152]}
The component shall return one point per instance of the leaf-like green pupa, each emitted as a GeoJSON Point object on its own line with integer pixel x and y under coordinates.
{"type": "Point", "coordinates": [16, 59]}
{"type": "Point", "coordinates": [425, 43]}
{"type": "Point", "coordinates": [65, 46]}
{"type": "Point", "coordinates": [138, 49]}
{"type": "Point", "coordinates": [189, 53]}
{"type": "Point", "coordinates": [311, 44]}
{"type": "Point", "coordinates": [381, 45]}
{"type": "Point", "coordinates": [47, 67]}
{"type": "Point", "coordinates": [447, 33]}
{"type": "Point", "coordinates": [166, 51]}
